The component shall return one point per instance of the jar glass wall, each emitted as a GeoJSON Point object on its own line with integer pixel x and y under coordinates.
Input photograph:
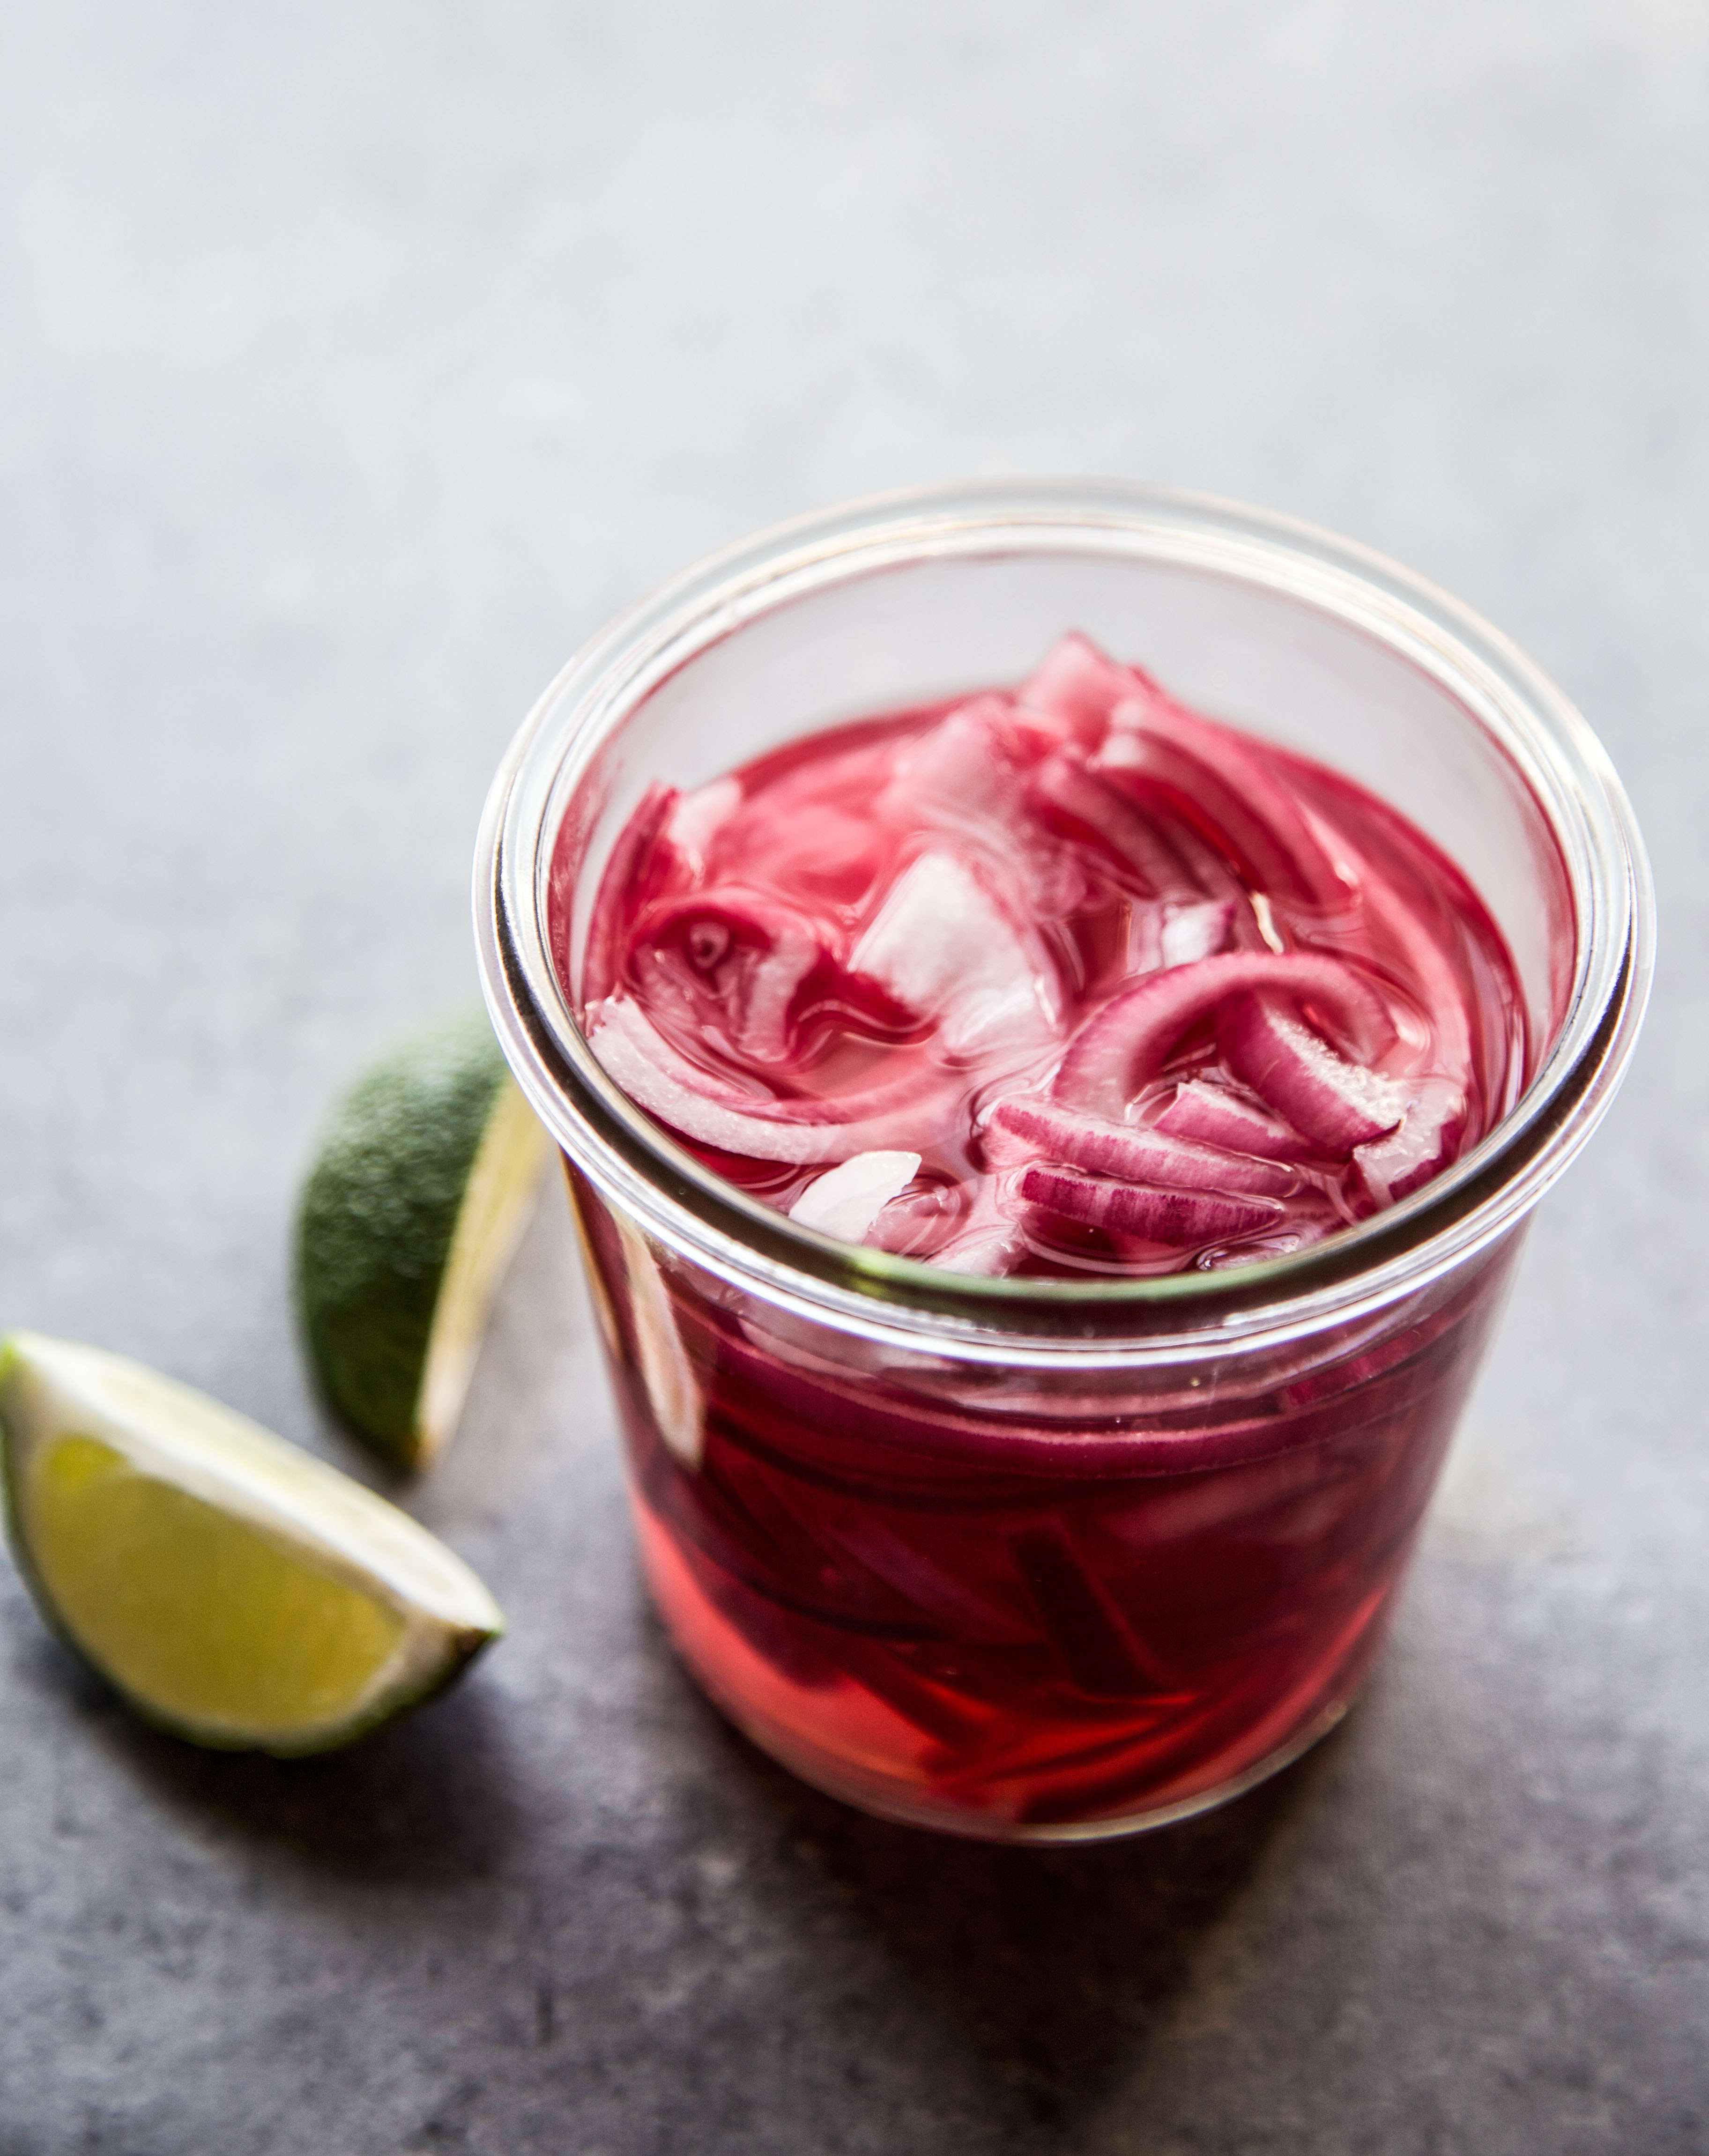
{"type": "Point", "coordinates": [1029, 1558]}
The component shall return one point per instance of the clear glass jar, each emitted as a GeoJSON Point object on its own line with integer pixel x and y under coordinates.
{"type": "Point", "coordinates": [1043, 1559]}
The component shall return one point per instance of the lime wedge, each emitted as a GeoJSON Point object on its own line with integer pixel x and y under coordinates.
{"type": "Point", "coordinates": [238, 1592]}
{"type": "Point", "coordinates": [415, 1203]}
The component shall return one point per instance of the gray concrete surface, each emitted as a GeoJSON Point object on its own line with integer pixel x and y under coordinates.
{"type": "Point", "coordinates": [355, 361]}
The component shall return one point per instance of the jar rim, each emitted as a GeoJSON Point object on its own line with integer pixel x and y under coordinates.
{"type": "Point", "coordinates": [636, 1165]}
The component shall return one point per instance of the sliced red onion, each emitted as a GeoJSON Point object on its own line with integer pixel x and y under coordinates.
{"type": "Point", "coordinates": [1405, 926]}
{"type": "Point", "coordinates": [1179, 1217]}
{"type": "Point", "coordinates": [771, 949]}
{"type": "Point", "coordinates": [845, 1201]}
{"type": "Point", "coordinates": [948, 1593]}
{"type": "Point", "coordinates": [1076, 685]}
{"type": "Point", "coordinates": [637, 1057]}
{"type": "Point", "coordinates": [990, 1243]}
{"type": "Point", "coordinates": [1336, 1104]}
{"type": "Point", "coordinates": [1100, 1651]}
{"type": "Point", "coordinates": [1224, 782]}
{"type": "Point", "coordinates": [957, 772]}
{"type": "Point", "coordinates": [919, 1223]}
{"type": "Point", "coordinates": [1145, 939]}
{"type": "Point", "coordinates": [1064, 783]}
{"type": "Point", "coordinates": [1128, 1041]}
{"type": "Point", "coordinates": [1428, 1139]}
{"type": "Point", "coordinates": [1197, 929]}
{"type": "Point", "coordinates": [1020, 1129]}
{"type": "Point", "coordinates": [762, 1024]}
{"type": "Point", "coordinates": [964, 782]}
{"type": "Point", "coordinates": [942, 948]}
{"type": "Point", "coordinates": [696, 818]}
{"type": "Point", "coordinates": [1213, 1116]}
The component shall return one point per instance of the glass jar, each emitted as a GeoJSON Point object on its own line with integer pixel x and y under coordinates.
{"type": "Point", "coordinates": [1048, 1559]}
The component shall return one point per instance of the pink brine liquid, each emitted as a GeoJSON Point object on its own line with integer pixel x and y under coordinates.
{"type": "Point", "coordinates": [1064, 981]}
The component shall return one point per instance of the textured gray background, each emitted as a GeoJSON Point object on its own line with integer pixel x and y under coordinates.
{"type": "Point", "coordinates": [357, 361]}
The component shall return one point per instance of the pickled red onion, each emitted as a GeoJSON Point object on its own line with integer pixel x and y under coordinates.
{"type": "Point", "coordinates": [1178, 1217]}
{"type": "Point", "coordinates": [1131, 1037]}
{"type": "Point", "coordinates": [634, 1055]}
{"type": "Point", "coordinates": [1020, 1129]}
{"type": "Point", "coordinates": [1336, 1104]}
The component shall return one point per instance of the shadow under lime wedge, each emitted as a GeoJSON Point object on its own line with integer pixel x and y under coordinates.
{"type": "Point", "coordinates": [238, 1592]}
{"type": "Point", "coordinates": [415, 1203]}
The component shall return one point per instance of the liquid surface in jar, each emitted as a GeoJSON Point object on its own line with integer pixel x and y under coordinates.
{"type": "Point", "coordinates": [1058, 979]}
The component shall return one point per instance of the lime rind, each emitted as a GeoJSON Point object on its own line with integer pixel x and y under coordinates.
{"type": "Point", "coordinates": [55, 1393]}
{"type": "Point", "coordinates": [416, 1200]}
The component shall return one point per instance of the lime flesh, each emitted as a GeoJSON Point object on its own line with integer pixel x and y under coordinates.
{"type": "Point", "coordinates": [215, 1624]}
{"type": "Point", "coordinates": [238, 1592]}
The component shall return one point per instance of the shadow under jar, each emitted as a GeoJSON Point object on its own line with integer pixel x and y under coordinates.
{"type": "Point", "coordinates": [1046, 1559]}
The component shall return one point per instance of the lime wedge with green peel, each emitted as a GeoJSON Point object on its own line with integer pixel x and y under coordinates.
{"type": "Point", "coordinates": [410, 1214]}
{"type": "Point", "coordinates": [238, 1592]}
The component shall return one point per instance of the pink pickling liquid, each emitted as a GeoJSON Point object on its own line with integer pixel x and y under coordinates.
{"type": "Point", "coordinates": [1055, 981]}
